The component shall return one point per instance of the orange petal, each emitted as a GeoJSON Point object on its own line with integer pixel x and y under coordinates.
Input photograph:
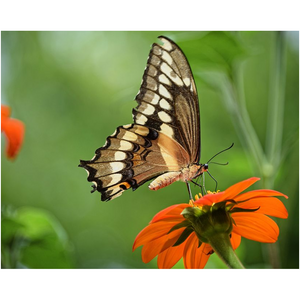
{"type": "Point", "coordinates": [209, 199]}
{"type": "Point", "coordinates": [267, 205]}
{"type": "Point", "coordinates": [202, 256]}
{"type": "Point", "coordinates": [255, 226]}
{"type": "Point", "coordinates": [14, 132]}
{"type": "Point", "coordinates": [151, 232]}
{"type": "Point", "coordinates": [170, 212]}
{"type": "Point", "coordinates": [258, 193]}
{"type": "Point", "coordinates": [237, 188]}
{"type": "Point", "coordinates": [208, 250]}
{"type": "Point", "coordinates": [168, 258]}
{"type": "Point", "coordinates": [5, 111]}
{"type": "Point", "coordinates": [154, 247]}
{"type": "Point", "coordinates": [189, 251]}
{"type": "Point", "coordinates": [194, 257]}
{"type": "Point", "coordinates": [235, 240]}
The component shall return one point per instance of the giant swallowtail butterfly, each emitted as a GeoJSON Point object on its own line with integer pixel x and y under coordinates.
{"type": "Point", "coordinates": [164, 140]}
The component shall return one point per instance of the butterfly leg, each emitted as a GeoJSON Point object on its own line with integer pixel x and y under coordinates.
{"type": "Point", "coordinates": [200, 186]}
{"type": "Point", "coordinates": [189, 190]}
{"type": "Point", "coordinates": [214, 181]}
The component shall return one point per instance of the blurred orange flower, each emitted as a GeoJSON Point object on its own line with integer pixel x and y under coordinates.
{"type": "Point", "coordinates": [13, 130]}
{"type": "Point", "coordinates": [181, 230]}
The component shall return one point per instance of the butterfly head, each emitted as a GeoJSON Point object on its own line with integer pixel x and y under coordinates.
{"type": "Point", "coordinates": [197, 169]}
{"type": "Point", "coordinates": [202, 168]}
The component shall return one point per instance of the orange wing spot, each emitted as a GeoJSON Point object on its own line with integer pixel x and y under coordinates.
{"type": "Point", "coordinates": [137, 163]}
{"type": "Point", "coordinates": [125, 185]}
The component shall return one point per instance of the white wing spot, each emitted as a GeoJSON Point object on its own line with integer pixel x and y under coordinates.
{"type": "Point", "coordinates": [166, 69]}
{"type": "Point", "coordinates": [114, 133]}
{"type": "Point", "coordinates": [141, 119]}
{"type": "Point", "coordinates": [167, 45]}
{"type": "Point", "coordinates": [130, 136]}
{"type": "Point", "coordinates": [171, 74]}
{"type": "Point", "coordinates": [116, 166]}
{"type": "Point", "coordinates": [95, 183]}
{"type": "Point", "coordinates": [187, 81]}
{"type": "Point", "coordinates": [164, 117]}
{"type": "Point", "coordinates": [167, 57]}
{"type": "Point", "coordinates": [115, 190]}
{"type": "Point", "coordinates": [124, 145]}
{"type": "Point", "coordinates": [151, 97]}
{"type": "Point", "coordinates": [146, 109]}
{"type": "Point", "coordinates": [127, 126]}
{"type": "Point", "coordinates": [155, 99]}
{"type": "Point", "coordinates": [167, 130]}
{"type": "Point", "coordinates": [104, 144]}
{"type": "Point", "coordinates": [163, 79]}
{"type": "Point", "coordinates": [115, 178]}
{"type": "Point", "coordinates": [193, 88]}
{"type": "Point", "coordinates": [164, 92]}
{"type": "Point", "coordinates": [157, 50]}
{"type": "Point", "coordinates": [164, 104]}
{"type": "Point", "coordinates": [119, 155]}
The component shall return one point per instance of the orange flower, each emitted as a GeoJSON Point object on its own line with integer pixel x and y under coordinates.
{"type": "Point", "coordinates": [13, 130]}
{"type": "Point", "coordinates": [183, 230]}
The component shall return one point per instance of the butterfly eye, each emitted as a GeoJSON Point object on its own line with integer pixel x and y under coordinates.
{"type": "Point", "coordinates": [205, 167]}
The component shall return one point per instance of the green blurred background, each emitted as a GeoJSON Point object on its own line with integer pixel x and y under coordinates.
{"type": "Point", "coordinates": [72, 89]}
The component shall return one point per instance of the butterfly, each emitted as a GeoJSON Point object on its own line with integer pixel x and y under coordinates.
{"type": "Point", "coordinates": [163, 143]}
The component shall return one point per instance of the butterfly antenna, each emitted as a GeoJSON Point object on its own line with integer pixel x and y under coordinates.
{"type": "Point", "coordinates": [221, 152]}
{"type": "Point", "coordinates": [221, 164]}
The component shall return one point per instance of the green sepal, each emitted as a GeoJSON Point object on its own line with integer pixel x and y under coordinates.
{"type": "Point", "coordinates": [184, 223]}
{"type": "Point", "coordinates": [226, 205]}
{"type": "Point", "coordinates": [185, 234]}
{"type": "Point", "coordinates": [238, 209]}
{"type": "Point", "coordinates": [200, 243]}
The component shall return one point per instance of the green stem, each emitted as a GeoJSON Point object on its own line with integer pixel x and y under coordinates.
{"type": "Point", "coordinates": [241, 120]}
{"type": "Point", "coordinates": [222, 246]}
{"type": "Point", "coordinates": [275, 109]}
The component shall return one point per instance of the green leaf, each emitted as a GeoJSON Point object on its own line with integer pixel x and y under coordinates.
{"type": "Point", "coordinates": [216, 49]}
{"type": "Point", "coordinates": [33, 238]}
{"type": "Point", "coordinates": [9, 229]}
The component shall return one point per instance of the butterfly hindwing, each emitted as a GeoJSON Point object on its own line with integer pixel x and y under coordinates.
{"type": "Point", "coordinates": [132, 155]}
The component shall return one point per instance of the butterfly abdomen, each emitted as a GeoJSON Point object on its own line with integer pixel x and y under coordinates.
{"type": "Point", "coordinates": [185, 175]}
{"type": "Point", "coordinates": [164, 180]}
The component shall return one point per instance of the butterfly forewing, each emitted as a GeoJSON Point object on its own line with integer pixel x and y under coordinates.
{"type": "Point", "coordinates": [168, 100]}
{"type": "Point", "coordinates": [165, 136]}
